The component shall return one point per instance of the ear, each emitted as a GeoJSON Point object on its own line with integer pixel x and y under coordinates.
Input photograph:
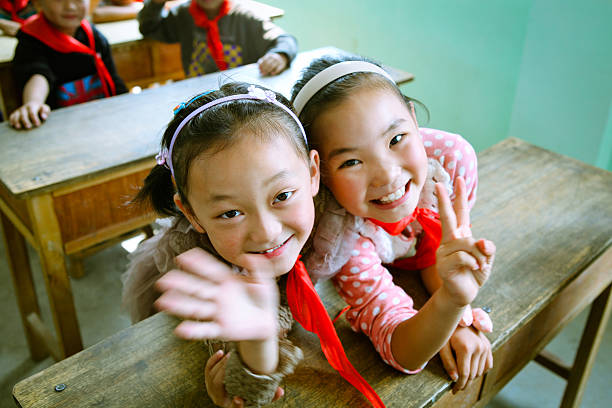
{"type": "Point", "coordinates": [315, 172]}
{"type": "Point", "coordinates": [413, 113]}
{"type": "Point", "coordinates": [188, 213]}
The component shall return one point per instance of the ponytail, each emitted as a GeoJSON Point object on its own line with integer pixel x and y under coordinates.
{"type": "Point", "coordinates": [158, 192]}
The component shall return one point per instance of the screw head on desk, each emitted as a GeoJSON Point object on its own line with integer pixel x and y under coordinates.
{"type": "Point", "coordinates": [486, 309]}
{"type": "Point", "coordinates": [60, 387]}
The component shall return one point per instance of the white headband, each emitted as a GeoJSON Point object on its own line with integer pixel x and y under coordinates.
{"type": "Point", "coordinates": [329, 75]}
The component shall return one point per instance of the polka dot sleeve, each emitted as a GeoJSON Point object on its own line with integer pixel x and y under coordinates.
{"type": "Point", "coordinates": [377, 305]}
{"type": "Point", "coordinates": [456, 155]}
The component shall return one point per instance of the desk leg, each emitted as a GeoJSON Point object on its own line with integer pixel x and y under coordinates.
{"type": "Point", "coordinates": [587, 351]}
{"type": "Point", "coordinates": [19, 265]}
{"type": "Point", "coordinates": [47, 232]}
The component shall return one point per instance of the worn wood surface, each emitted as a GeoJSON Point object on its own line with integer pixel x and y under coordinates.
{"type": "Point", "coordinates": [90, 140]}
{"type": "Point", "coordinates": [551, 219]}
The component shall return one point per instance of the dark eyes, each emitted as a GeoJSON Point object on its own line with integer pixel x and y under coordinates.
{"type": "Point", "coordinates": [349, 163]}
{"type": "Point", "coordinates": [230, 214]}
{"type": "Point", "coordinates": [283, 196]}
{"type": "Point", "coordinates": [395, 140]}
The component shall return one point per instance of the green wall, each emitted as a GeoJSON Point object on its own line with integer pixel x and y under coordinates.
{"type": "Point", "coordinates": [540, 70]}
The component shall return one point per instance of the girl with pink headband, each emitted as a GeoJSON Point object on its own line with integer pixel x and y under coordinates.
{"type": "Point", "coordinates": [384, 201]}
{"type": "Point", "coordinates": [235, 174]}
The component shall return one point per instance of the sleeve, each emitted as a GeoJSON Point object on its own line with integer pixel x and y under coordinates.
{"type": "Point", "coordinates": [31, 57]}
{"type": "Point", "coordinates": [377, 305]}
{"type": "Point", "coordinates": [456, 155]}
{"type": "Point", "coordinates": [256, 389]}
{"type": "Point", "coordinates": [107, 58]}
{"type": "Point", "coordinates": [268, 37]}
{"type": "Point", "coordinates": [159, 24]}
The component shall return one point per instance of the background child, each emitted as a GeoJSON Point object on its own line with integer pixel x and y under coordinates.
{"type": "Point", "coordinates": [218, 34]}
{"type": "Point", "coordinates": [383, 172]}
{"type": "Point", "coordinates": [61, 60]}
{"type": "Point", "coordinates": [230, 196]}
{"type": "Point", "coordinates": [13, 13]}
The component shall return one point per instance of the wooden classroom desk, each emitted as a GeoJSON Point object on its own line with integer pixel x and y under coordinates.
{"type": "Point", "coordinates": [65, 185]}
{"type": "Point", "coordinates": [551, 219]}
{"type": "Point", "coordinates": [139, 61]}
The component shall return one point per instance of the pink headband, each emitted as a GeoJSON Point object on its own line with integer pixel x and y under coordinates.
{"type": "Point", "coordinates": [164, 157]}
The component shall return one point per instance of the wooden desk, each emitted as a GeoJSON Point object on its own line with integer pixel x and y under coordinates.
{"type": "Point", "coordinates": [139, 61]}
{"type": "Point", "coordinates": [553, 260]}
{"type": "Point", "coordinates": [65, 185]}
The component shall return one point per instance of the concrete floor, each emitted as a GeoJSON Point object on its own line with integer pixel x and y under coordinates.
{"type": "Point", "coordinates": [97, 297]}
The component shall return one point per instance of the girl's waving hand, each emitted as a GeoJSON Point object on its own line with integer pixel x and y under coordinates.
{"type": "Point", "coordinates": [216, 302]}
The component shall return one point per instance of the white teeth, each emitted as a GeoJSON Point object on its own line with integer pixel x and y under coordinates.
{"type": "Point", "coordinates": [271, 249]}
{"type": "Point", "coordinates": [389, 198]}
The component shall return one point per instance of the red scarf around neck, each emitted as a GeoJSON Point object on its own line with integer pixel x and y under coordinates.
{"type": "Point", "coordinates": [213, 41]}
{"type": "Point", "coordinates": [307, 308]}
{"type": "Point", "coordinates": [39, 27]}
{"type": "Point", "coordinates": [14, 7]}
{"type": "Point", "coordinates": [428, 244]}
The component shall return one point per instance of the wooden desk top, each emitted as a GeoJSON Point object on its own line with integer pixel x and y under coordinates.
{"type": "Point", "coordinates": [550, 216]}
{"type": "Point", "coordinates": [121, 32]}
{"type": "Point", "coordinates": [91, 139]}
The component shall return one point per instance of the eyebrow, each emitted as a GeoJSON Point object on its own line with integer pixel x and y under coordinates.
{"type": "Point", "coordinates": [283, 174]}
{"type": "Point", "coordinates": [392, 126]}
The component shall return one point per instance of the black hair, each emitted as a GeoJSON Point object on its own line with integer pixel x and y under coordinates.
{"type": "Point", "coordinates": [212, 131]}
{"type": "Point", "coordinates": [335, 92]}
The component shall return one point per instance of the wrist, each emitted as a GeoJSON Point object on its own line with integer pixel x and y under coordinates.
{"type": "Point", "coordinates": [449, 300]}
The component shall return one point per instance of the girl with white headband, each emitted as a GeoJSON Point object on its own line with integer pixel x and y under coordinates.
{"type": "Point", "coordinates": [235, 173]}
{"type": "Point", "coordinates": [383, 178]}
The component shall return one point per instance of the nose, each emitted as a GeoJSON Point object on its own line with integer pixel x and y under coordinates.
{"type": "Point", "coordinates": [265, 228]}
{"type": "Point", "coordinates": [384, 173]}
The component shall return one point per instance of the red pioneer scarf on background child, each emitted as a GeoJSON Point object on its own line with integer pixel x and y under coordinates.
{"type": "Point", "coordinates": [213, 41]}
{"type": "Point", "coordinates": [38, 27]}
{"type": "Point", "coordinates": [14, 7]}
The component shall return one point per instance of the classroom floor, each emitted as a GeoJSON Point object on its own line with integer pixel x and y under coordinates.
{"type": "Point", "coordinates": [97, 297]}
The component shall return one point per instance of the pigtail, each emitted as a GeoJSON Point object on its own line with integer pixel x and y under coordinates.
{"type": "Point", "coordinates": [157, 192]}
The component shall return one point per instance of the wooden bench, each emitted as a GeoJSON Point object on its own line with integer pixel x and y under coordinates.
{"type": "Point", "coordinates": [551, 218]}
{"type": "Point", "coordinates": [65, 185]}
{"type": "Point", "coordinates": [139, 61]}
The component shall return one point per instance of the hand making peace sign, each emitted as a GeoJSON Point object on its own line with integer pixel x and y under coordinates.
{"type": "Point", "coordinates": [463, 263]}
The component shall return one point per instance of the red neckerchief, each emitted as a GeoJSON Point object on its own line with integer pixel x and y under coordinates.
{"type": "Point", "coordinates": [38, 27]}
{"type": "Point", "coordinates": [429, 241]}
{"type": "Point", "coordinates": [14, 7]}
{"type": "Point", "coordinates": [307, 308]}
{"type": "Point", "coordinates": [212, 30]}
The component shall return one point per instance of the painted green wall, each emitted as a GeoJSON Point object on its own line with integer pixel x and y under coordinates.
{"type": "Point", "coordinates": [540, 70]}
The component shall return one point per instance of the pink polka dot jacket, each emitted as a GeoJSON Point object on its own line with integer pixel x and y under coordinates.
{"type": "Point", "coordinates": [352, 250]}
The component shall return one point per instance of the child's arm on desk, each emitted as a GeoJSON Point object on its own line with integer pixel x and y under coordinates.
{"type": "Point", "coordinates": [34, 110]}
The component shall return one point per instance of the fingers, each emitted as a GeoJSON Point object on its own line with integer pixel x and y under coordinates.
{"type": "Point", "coordinates": [186, 307]}
{"type": "Point", "coordinates": [448, 361]}
{"type": "Point", "coordinates": [448, 219]}
{"type": "Point", "coordinates": [192, 330]}
{"type": "Point", "coordinates": [467, 245]}
{"type": "Point", "coordinates": [272, 64]}
{"type": "Point", "coordinates": [201, 263]}
{"type": "Point", "coordinates": [486, 247]}
{"type": "Point", "coordinates": [278, 394]}
{"type": "Point", "coordinates": [460, 205]}
{"type": "Point", "coordinates": [212, 361]}
{"type": "Point", "coordinates": [464, 360]}
{"type": "Point", "coordinates": [33, 115]}
{"type": "Point", "coordinates": [187, 283]}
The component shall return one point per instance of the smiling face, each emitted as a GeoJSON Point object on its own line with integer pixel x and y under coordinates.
{"type": "Point", "coordinates": [372, 156]}
{"type": "Point", "coordinates": [65, 15]}
{"type": "Point", "coordinates": [254, 200]}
